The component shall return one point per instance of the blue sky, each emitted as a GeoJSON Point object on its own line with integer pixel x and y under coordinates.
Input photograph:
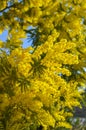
{"type": "Point", "coordinates": [3, 36]}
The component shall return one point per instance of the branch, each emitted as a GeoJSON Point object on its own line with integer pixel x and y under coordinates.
{"type": "Point", "coordinates": [8, 7]}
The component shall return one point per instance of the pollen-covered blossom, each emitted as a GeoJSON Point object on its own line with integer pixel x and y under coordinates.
{"type": "Point", "coordinates": [39, 84]}
{"type": "Point", "coordinates": [43, 69]}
